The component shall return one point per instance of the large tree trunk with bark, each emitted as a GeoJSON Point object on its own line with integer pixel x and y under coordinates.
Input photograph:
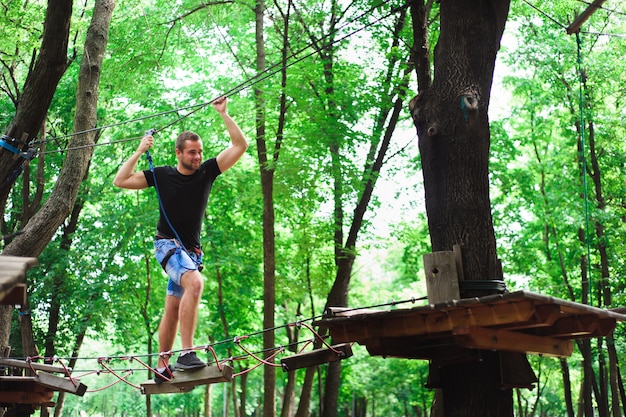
{"type": "Point", "coordinates": [42, 226]}
{"type": "Point", "coordinates": [31, 112]}
{"type": "Point", "coordinates": [453, 129]}
{"type": "Point", "coordinates": [39, 88]}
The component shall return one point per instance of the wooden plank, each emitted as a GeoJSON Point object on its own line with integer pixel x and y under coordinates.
{"type": "Point", "coordinates": [16, 363]}
{"type": "Point", "coordinates": [26, 397]}
{"type": "Point", "coordinates": [183, 381]}
{"type": "Point", "coordinates": [9, 278]}
{"type": "Point", "coordinates": [26, 260]}
{"type": "Point", "coordinates": [316, 357]}
{"type": "Point", "coordinates": [442, 282]}
{"type": "Point", "coordinates": [14, 296]}
{"type": "Point", "coordinates": [14, 267]}
{"type": "Point", "coordinates": [19, 383]}
{"type": "Point", "coordinates": [150, 387]}
{"type": "Point", "coordinates": [502, 340]}
{"type": "Point", "coordinates": [428, 321]}
{"type": "Point", "coordinates": [577, 327]}
{"type": "Point", "coordinates": [57, 383]}
{"type": "Point", "coordinates": [348, 312]}
{"type": "Point", "coordinates": [12, 274]}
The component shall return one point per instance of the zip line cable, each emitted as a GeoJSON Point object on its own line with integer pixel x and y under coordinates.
{"type": "Point", "coordinates": [562, 26]}
{"type": "Point", "coordinates": [251, 81]}
{"type": "Point", "coordinates": [602, 7]}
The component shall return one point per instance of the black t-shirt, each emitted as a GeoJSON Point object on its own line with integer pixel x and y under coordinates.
{"type": "Point", "coordinates": [184, 198]}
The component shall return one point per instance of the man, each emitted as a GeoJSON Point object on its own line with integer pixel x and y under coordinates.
{"type": "Point", "coordinates": [183, 192]}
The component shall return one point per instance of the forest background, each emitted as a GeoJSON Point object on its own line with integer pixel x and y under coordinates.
{"type": "Point", "coordinates": [336, 127]}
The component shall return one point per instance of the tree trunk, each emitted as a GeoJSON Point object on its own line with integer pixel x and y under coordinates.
{"type": "Point", "coordinates": [39, 87]}
{"type": "Point", "coordinates": [567, 388]}
{"type": "Point", "coordinates": [289, 395]}
{"type": "Point", "coordinates": [31, 111]}
{"type": "Point", "coordinates": [585, 401]}
{"type": "Point", "coordinates": [453, 129]}
{"type": "Point", "coordinates": [269, 238]}
{"type": "Point", "coordinates": [345, 252]}
{"type": "Point", "coordinates": [42, 226]}
{"type": "Point", "coordinates": [616, 409]}
{"type": "Point", "coordinates": [307, 388]}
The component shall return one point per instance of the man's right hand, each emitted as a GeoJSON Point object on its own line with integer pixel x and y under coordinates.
{"type": "Point", "coordinates": [146, 143]}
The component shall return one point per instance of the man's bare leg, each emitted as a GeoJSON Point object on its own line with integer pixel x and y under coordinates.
{"type": "Point", "coordinates": [193, 285]}
{"type": "Point", "coordinates": [168, 328]}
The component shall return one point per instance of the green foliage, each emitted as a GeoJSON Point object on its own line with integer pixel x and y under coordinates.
{"type": "Point", "coordinates": [164, 57]}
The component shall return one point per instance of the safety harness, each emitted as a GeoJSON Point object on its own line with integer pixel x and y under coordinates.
{"type": "Point", "coordinates": [179, 243]}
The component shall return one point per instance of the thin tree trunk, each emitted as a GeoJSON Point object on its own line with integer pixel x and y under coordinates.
{"type": "Point", "coordinates": [307, 389]}
{"type": "Point", "coordinates": [567, 387]}
{"type": "Point", "coordinates": [267, 187]}
{"type": "Point", "coordinates": [616, 409]}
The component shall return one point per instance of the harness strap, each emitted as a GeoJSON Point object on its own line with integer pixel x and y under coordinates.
{"type": "Point", "coordinates": [172, 251]}
{"type": "Point", "coordinates": [167, 257]}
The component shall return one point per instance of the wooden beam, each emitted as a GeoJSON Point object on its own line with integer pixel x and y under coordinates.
{"type": "Point", "coordinates": [502, 340]}
{"type": "Point", "coordinates": [430, 321]}
{"type": "Point", "coordinates": [578, 22]}
{"type": "Point", "coordinates": [14, 296]}
{"type": "Point", "coordinates": [12, 274]}
{"type": "Point", "coordinates": [316, 357]}
{"type": "Point", "coordinates": [25, 397]}
{"type": "Point", "coordinates": [415, 347]}
{"type": "Point", "coordinates": [544, 315]}
{"type": "Point", "coordinates": [580, 326]}
{"type": "Point", "coordinates": [183, 381]}
{"type": "Point", "coordinates": [25, 260]}
{"type": "Point", "coordinates": [16, 363]}
{"type": "Point", "coordinates": [57, 383]}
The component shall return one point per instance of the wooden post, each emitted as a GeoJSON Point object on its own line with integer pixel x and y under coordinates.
{"type": "Point", "coordinates": [442, 281]}
{"type": "Point", "coordinates": [442, 284]}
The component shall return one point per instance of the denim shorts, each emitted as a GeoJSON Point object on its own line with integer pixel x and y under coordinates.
{"type": "Point", "coordinates": [179, 263]}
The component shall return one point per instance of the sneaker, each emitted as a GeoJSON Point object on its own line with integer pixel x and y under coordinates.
{"type": "Point", "coordinates": [164, 375]}
{"type": "Point", "coordinates": [188, 361]}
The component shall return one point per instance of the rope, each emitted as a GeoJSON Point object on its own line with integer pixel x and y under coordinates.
{"type": "Point", "coordinates": [267, 73]}
{"type": "Point", "coordinates": [101, 362]}
{"type": "Point", "coordinates": [210, 347]}
{"type": "Point", "coordinates": [261, 362]}
{"type": "Point", "coordinates": [120, 379]}
{"type": "Point", "coordinates": [264, 361]}
{"type": "Point", "coordinates": [121, 375]}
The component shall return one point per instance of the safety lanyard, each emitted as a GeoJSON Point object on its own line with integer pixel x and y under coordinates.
{"type": "Point", "coordinates": [198, 258]}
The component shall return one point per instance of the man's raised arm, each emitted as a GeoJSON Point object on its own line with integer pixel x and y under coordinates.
{"type": "Point", "coordinates": [229, 156]}
{"type": "Point", "coordinates": [126, 176]}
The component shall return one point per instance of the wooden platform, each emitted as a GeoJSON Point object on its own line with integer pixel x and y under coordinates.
{"type": "Point", "coordinates": [13, 278]}
{"type": "Point", "coordinates": [35, 390]}
{"type": "Point", "coordinates": [519, 321]}
{"type": "Point", "coordinates": [184, 381]}
{"type": "Point", "coordinates": [316, 357]}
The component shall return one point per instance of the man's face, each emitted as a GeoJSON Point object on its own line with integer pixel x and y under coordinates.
{"type": "Point", "coordinates": [190, 158]}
